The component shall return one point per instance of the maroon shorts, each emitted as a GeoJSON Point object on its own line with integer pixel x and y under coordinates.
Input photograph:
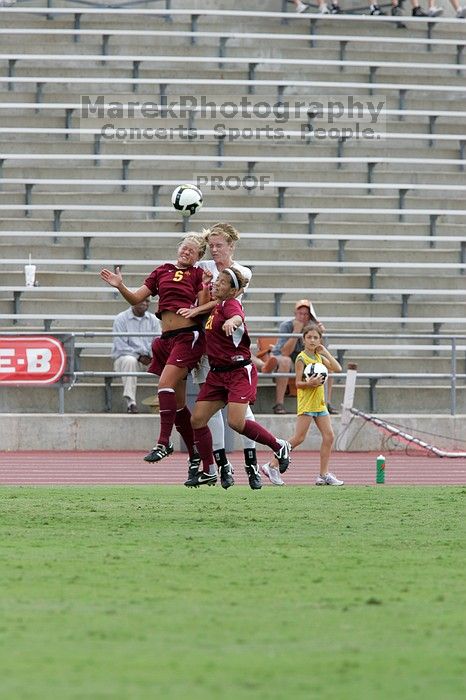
{"type": "Point", "coordinates": [182, 347]}
{"type": "Point", "coordinates": [235, 386]}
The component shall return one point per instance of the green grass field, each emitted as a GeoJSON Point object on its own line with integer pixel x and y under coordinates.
{"type": "Point", "coordinates": [164, 592]}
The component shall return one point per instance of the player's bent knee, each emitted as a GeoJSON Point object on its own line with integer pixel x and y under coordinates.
{"type": "Point", "coordinates": [237, 426]}
{"type": "Point", "coordinates": [197, 422]}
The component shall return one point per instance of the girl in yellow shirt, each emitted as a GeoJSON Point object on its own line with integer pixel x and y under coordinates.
{"type": "Point", "coordinates": [311, 402]}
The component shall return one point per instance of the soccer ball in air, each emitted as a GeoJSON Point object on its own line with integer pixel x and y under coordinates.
{"type": "Point", "coordinates": [315, 368]}
{"type": "Point", "coordinates": [187, 199]}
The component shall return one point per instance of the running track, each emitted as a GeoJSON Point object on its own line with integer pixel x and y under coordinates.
{"type": "Point", "coordinates": [356, 468]}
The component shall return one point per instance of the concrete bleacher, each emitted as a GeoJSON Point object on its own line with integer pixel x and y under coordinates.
{"type": "Point", "coordinates": [373, 232]}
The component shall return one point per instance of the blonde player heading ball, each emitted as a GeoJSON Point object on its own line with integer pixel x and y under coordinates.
{"type": "Point", "coordinates": [221, 239]}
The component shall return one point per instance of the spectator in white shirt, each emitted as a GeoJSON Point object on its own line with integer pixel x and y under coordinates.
{"type": "Point", "coordinates": [132, 353]}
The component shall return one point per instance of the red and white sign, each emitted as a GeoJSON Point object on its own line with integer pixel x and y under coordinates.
{"type": "Point", "coordinates": [31, 360]}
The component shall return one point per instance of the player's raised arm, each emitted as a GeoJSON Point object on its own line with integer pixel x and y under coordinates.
{"type": "Point", "coordinates": [115, 279]}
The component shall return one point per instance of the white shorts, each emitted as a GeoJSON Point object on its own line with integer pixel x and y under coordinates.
{"type": "Point", "coordinates": [201, 371]}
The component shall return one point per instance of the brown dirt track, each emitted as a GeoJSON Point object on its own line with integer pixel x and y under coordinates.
{"type": "Point", "coordinates": [356, 468]}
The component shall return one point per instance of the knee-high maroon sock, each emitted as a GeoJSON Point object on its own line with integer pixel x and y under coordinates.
{"type": "Point", "coordinates": [167, 408]}
{"type": "Point", "coordinates": [183, 426]}
{"type": "Point", "coordinates": [203, 444]}
{"type": "Point", "coordinates": [255, 431]}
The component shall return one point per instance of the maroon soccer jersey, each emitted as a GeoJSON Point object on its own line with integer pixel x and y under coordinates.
{"type": "Point", "coordinates": [177, 287]}
{"type": "Point", "coordinates": [222, 349]}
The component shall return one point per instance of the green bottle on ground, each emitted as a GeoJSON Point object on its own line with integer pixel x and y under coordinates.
{"type": "Point", "coordinates": [380, 475]}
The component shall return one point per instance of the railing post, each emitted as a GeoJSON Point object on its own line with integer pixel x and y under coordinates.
{"type": "Point", "coordinates": [401, 202]}
{"type": "Point", "coordinates": [28, 197]}
{"type": "Point", "coordinates": [86, 249]}
{"type": "Point", "coordinates": [401, 101]}
{"type": "Point", "coordinates": [16, 303]}
{"type": "Point", "coordinates": [436, 328]}
{"type": "Point", "coordinates": [280, 93]}
{"type": "Point", "coordinates": [342, 54]}
{"type": "Point", "coordinates": [124, 173]}
{"type": "Point", "coordinates": [432, 120]}
{"type": "Point", "coordinates": [284, 9]}
{"type": "Point", "coordinates": [39, 94]}
{"type": "Point", "coordinates": [340, 149]}
{"type": "Point", "coordinates": [194, 19]}
{"type": "Point", "coordinates": [56, 222]}
{"type": "Point", "coordinates": [155, 199]}
{"type": "Point", "coordinates": [432, 228]}
{"type": "Point", "coordinates": [68, 120]}
{"type": "Point", "coordinates": [341, 249]}
{"type": "Point", "coordinates": [11, 72]}
{"type": "Point", "coordinates": [135, 75]}
{"type": "Point", "coordinates": [97, 145]}
{"type": "Point", "coordinates": [61, 397]}
{"type": "Point", "coordinates": [104, 49]}
{"type": "Point", "coordinates": [49, 4]}
{"type": "Point", "coordinates": [372, 396]}
{"type": "Point", "coordinates": [220, 149]}
{"type": "Point", "coordinates": [222, 49]}
{"type": "Point", "coordinates": [163, 100]}
{"type": "Point", "coordinates": [311, 217]}
{"type": "Point", "coordinates": [404, 305]}
{"type": "Point", "coordinates": [370, 171]}
{"type": "Point", "coordinates": [430, 26]}
{"type": "Point", "coordinates": [453, 378]}
{"type": "Point", "coordinates": [77, 26]}
{"type": "Point", "coordinates": [459, 56]}
{"type": "Point", "coordinates": [281, 200]}
{"type": "Point", "coordinates": [168, 6]}
{"type": "Point", "coordinates": [312, 32]}
{"type": "Point", "coordinates": [251, 77]}
{"type": "Point", "coordinates": [277, 299]}
{"type": "Point", "coordinates": [372, 72]}
{"type": "Point", "coordinates": [108, 393]}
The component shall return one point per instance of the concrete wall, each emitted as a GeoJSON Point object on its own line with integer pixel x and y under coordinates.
{"type": "Point", "coordinates": [123, 432]}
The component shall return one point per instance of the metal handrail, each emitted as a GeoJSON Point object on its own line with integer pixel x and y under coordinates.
{"type": "Point", "coordinates": [451, 343]}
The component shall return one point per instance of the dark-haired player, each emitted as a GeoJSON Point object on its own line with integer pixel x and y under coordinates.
{"type": "Point", "coordinates": [231, 381]}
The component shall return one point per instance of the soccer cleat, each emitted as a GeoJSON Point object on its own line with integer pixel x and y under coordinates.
{"type": "Point", "coordinates": [254, 477]}
{"type": "Point", "coordinates": [435, 12]}
{"type": "Point", "coordinates": [194, 464]}
{"type": "Point", "coordinates": [272, 474]}
{"type": "Point", "coordinates": [418, 12]}
{"type": "Point", "coordinates": [283, 455]}
{"type": "Point", "coordinates": [158, 452]}
{"type": "Point", "coordinates": [301, 7]}
{"type": "Point", "coordinates": [199, 479]}
{"type": "Point", "coordinates": [461, 13]}
{"type": "Point", "coordinates": [226, 476]}
{"type": "Point", "coordinates": [323, 10]}
{"type": "Point", "coordinates": [335, 9]}
{"type": "Point", "coordinates": [328, 479]}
